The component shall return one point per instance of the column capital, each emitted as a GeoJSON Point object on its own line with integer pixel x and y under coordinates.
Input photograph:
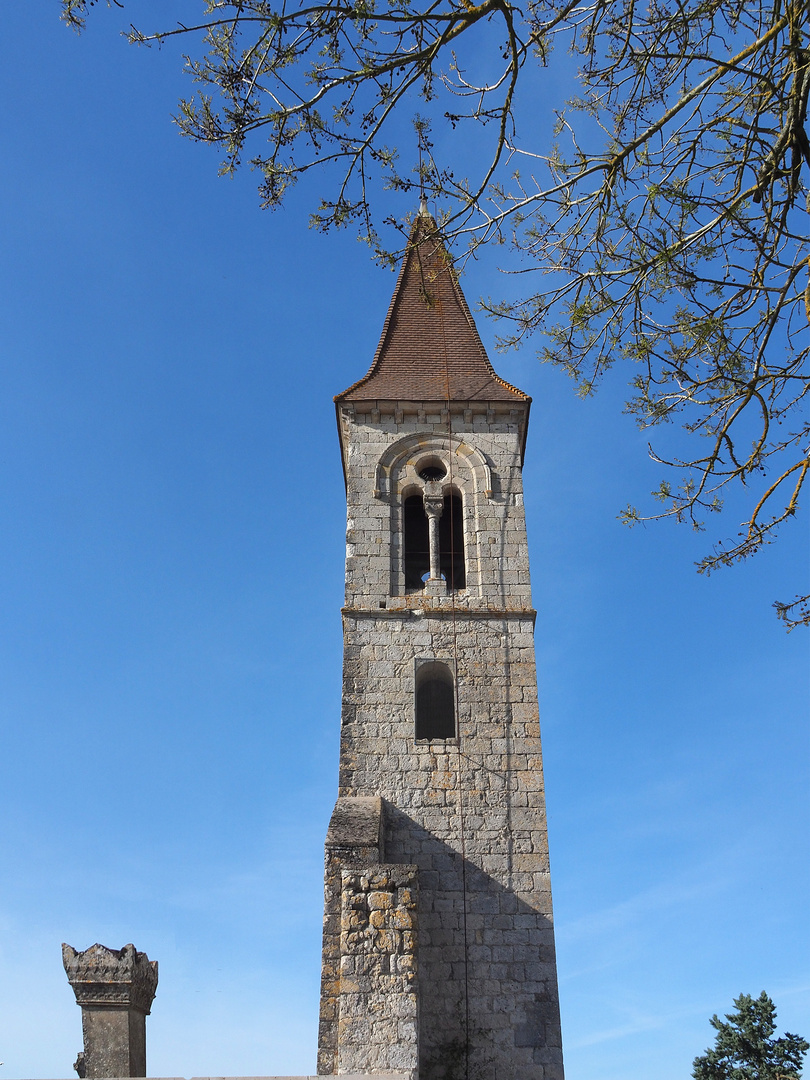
{"type": "Point", "coordinates": [111, 977]}
{"type": "Point", "coordinates": [433, 498]}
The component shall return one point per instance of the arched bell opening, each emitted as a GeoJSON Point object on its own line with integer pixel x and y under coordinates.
{"type": "Point", "coordinates": [416, 545]}
{"type": "Point", "coordinates": [451, 542]}
{"type": "Point", "coordinates": [433, 467]}
{"type": "Point", "coordinates": [449, 558]}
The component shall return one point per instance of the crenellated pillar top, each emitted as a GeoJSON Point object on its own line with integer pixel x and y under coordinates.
{"type": "Point", "coordinates": [102, 976]}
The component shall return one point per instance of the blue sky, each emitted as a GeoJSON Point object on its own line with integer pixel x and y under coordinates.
{"type": "Point", "coordinates": [171, 576]}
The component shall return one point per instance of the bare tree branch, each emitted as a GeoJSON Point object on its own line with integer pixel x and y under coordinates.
{"type": "Point", "coordinates": [662, 225]}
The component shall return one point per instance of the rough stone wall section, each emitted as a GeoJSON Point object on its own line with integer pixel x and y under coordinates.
{"type": "Point", "coordinates": [378, 1026]}
{"type": "Point", "coordinates": [354, 839]}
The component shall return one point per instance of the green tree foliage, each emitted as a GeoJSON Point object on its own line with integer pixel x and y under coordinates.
{"type": "Point", "coordinates": [658, 220]}
{"type": "Point", "coordinates": [745, 1048]}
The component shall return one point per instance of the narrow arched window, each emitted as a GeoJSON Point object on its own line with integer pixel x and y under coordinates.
{"type": "Point", "coordinates": [451, 543]}
{"type": "Point", "coordinates": [435, 702]}
{"type": "Point", "coordinates": [416, 544]}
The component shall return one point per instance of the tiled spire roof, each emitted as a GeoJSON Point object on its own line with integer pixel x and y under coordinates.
{"type": "Point", "coordinates": [430, 349]}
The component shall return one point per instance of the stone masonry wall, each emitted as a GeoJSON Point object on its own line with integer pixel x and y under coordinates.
{"type": "Point", "coordinates": [378, 1025]}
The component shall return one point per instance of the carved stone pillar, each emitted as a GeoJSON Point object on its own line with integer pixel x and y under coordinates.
{"type": "Point", "coordinates": [434, 505]}
{"type": "Point", "coordinates": [115, 988]}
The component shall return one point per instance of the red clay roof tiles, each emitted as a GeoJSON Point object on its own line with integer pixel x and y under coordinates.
{"type": "Point", "coordinates": [430, 349]}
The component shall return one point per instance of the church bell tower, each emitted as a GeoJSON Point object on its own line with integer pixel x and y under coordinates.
{"type": "Point", "coordinates": [438, 951]}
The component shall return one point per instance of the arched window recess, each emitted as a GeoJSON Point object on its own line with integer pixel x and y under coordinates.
{"type": "Point", "coordinates": [469, 460]}
{"type": "Point", "coordinates": [435, 701]}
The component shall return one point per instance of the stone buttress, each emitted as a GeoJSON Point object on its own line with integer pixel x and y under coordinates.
{"type": "Point", "coordinates": [438, 957]}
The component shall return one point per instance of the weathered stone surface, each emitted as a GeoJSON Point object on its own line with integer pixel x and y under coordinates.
{"type": "Point", "coordinates": [115, 989]}
{"type": "Point", "coordinates": [102, 976]}
{"type": "Point", "coordinates": [355, 823]}
{"type": "Point", "coordinates": [378, 1023]}
{"type": "Point", "coordinates": [354, 839]}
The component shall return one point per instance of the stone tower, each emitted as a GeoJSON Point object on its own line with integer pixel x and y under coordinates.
{"type": "Point", "coordinates": [438, 954]}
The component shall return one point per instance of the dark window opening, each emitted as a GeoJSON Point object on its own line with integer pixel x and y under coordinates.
{"type": "Point", "coordinates": [416, 543]}
{"type": "Point", "coordinates": [433, 472]}
{"type": "Point", "coordinates": [451, 544]}
{"type": "Point", "coordinates": [435, 702]}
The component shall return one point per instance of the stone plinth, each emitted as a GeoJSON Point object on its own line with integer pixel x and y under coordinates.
{"type": "Point", "coordinates": [115, 989]}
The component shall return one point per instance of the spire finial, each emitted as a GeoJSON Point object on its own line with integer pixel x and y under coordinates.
{"type": "Point", "coordinates": [420, 140]}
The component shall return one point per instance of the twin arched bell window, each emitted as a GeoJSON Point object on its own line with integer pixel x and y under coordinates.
{"type": "Point", "coordinates": [433, 534]}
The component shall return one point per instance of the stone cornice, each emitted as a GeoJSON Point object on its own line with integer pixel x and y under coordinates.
{"type": "Point", "coordinates": [444, 612]}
